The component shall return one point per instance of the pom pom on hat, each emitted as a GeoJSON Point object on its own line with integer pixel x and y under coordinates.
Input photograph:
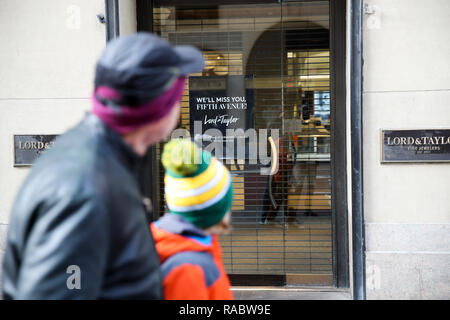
{"type": "Point", "coordinates": [181, 157]}
{"type": "Point", "coordinates": [197, 185]}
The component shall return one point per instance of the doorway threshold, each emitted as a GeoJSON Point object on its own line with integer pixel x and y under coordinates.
{"type": "Point", "coordinates": [291, 293]}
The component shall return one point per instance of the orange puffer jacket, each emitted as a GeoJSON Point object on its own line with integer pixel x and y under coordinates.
{"type": "Point", "coordinates": [191, 261]}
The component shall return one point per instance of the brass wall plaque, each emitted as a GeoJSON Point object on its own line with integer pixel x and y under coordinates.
{"type": "Point", "coordinates": [28, 147]}
{"type": "Point", "coordinates": [415, 145]}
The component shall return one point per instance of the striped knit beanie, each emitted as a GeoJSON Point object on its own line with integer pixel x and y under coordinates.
{"type": "Point", "coordinates": [197, 185]}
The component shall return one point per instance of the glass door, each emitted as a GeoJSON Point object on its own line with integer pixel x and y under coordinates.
{"type": "Point", "coordinates": [274, 59]}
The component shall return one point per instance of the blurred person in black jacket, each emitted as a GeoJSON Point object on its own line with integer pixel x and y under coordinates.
{"type": "Point", "coordinates": [78, 228]}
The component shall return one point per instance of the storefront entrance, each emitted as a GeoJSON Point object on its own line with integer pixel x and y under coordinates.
{"type": "Point", "coordinates": [276, 65]}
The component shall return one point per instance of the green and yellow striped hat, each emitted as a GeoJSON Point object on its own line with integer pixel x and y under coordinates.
{"type": "Point", "coordinates": [197, 185]}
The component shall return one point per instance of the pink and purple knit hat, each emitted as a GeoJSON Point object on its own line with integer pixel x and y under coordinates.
{"type": "Point", "coordinates": [140, 78]}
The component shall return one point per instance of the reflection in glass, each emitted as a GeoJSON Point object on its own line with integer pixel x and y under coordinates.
{"type": "Point", "coordinates": [282, 223]}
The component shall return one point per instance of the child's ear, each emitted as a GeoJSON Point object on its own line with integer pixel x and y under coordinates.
{"type": "Point", "coordinates": [223, 227]}
{"type": "Point", "coordinates": [225, 223]}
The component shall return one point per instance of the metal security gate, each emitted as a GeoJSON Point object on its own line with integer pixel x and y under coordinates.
{"type": "Point", "coordinates": [282, 223]}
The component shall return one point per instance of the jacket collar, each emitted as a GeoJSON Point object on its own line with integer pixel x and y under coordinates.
{"type": "Point", "coordinates": [126, 154]}
{"type": "Point", "coordinates": [173, 234]}
{"type": "Point", "coordinates": [178, 225]}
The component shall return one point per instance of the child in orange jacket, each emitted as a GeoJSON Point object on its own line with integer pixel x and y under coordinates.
{"type": "Point", "coordinates": [199, 194]}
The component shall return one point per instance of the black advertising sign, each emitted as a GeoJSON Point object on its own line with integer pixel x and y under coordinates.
{"type": "Point", "coordinates": [423, 145]}
{"type": "Point", "coordinates": [28, 147]}
{"type": "Point", "coordinates": [221, 103]}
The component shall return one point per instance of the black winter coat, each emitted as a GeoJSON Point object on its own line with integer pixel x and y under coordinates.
{"type": "Point", "coordinates": [78, 228]}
